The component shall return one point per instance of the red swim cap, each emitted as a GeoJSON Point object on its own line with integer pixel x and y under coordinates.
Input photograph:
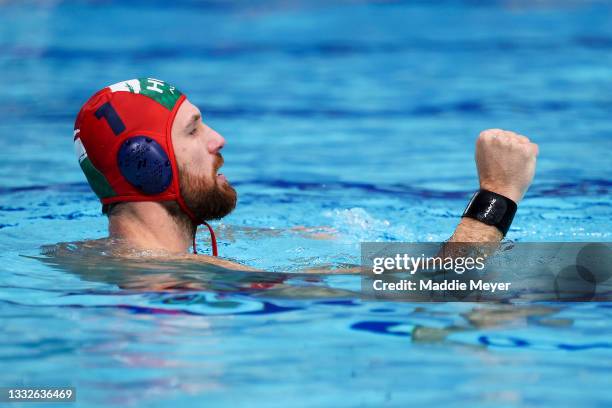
{"type": "Point", "coordinates": [123, 140]}
{"type": "Point", "coordinates": [122, 137]}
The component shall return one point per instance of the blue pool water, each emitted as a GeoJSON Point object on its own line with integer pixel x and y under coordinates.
{"type": "Point", "coordinates": [355, 115]}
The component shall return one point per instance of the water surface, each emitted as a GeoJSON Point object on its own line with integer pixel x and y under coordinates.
{"type": "Point", "coordinates": [360, 116]}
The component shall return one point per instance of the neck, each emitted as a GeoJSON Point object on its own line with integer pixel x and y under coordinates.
{"type": "Point", "coordinates": [152, 226]}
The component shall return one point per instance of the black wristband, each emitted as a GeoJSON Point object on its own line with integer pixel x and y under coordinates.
{"type": "Point", "coordinates": [492, 209]}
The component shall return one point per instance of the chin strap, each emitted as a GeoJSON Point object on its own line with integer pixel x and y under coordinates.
{"type": "Point", "coordinates": [195, 220]}
{"type": "Point", "coordinates": [213, 240]}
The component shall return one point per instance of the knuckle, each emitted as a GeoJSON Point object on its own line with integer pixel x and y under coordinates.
{"type": "Point", "coordinates": [484, 135]}
{"type": "Point", "coordinates": [523, 139]}
{"type": "Point", "coordinates": [483, 139]}
{"type": "Point", "coordinates": [488, 133]}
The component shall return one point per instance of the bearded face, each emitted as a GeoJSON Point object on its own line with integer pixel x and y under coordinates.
{"type": "Point", "coordinates": [210, 198]}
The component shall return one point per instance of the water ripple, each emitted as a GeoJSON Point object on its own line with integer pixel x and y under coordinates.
{"type": "Point", "coordinates": [582, 188]}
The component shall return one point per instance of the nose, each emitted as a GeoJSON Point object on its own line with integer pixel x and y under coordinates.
{"type": "Point", "coordinates": [216, 141]}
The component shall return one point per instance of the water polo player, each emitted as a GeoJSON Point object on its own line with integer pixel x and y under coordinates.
{"type": "Point", "coordinates": [153, 163]}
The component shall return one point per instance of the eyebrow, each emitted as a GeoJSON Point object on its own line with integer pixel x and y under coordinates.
{"type": "Point", "coordinates": [193, 119]}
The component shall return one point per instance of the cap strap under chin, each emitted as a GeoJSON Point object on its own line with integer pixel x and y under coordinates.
{"type": "Point", "coordinates": [192, 217]}
{"type": "Point", "coordinates": [213, 240]}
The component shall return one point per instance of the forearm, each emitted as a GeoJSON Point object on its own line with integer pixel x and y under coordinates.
{"type": "Point", "coordinates": [506, 164]}
{"type": "Point", "coordinates": [481, 238]}
{"type": "Point", "coordinates": [470, 230]}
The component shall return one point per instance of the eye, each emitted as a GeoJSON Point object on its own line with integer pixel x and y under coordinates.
{"type": "Point", "coordinates": [194, 131]}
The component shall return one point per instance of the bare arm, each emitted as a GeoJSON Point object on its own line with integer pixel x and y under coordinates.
{"type": "Point", "coordinates": [230, 233]}
{"type": "Point", "coordinates": [235, 266]}
{"type": "Point", "coordinates": [506, 165]}
{"type": "Point", "coordinates": [470, 230]}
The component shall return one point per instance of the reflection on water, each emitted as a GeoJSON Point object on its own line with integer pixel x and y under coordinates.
{"type": "Point", "coordinates": [165, 285]}
{"type": "Point", "coordinates": [359, 115]}
{"type": "Point", "coordinates": [181, 329]}
{"type": "Point", "coordinates": [145, 271]}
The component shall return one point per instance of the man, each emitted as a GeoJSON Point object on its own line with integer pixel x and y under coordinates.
{"type": "Point", "coordinates": [154, 164]}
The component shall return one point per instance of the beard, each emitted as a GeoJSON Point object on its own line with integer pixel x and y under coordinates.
{"type": "Point", "coordinates": [207, 201]}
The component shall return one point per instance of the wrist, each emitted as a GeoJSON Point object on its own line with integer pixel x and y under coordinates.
{"type": "Point", "coordinates": [492, 209]}
{"type": "Point", "coordinates": [512, 193]}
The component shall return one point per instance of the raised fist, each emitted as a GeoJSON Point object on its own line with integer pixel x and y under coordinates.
{"type": "Point", "coordinates": [506, 162]}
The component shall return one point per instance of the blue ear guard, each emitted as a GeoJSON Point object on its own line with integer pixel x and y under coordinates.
{"type": "Point", "coordinates": [145, 165]}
